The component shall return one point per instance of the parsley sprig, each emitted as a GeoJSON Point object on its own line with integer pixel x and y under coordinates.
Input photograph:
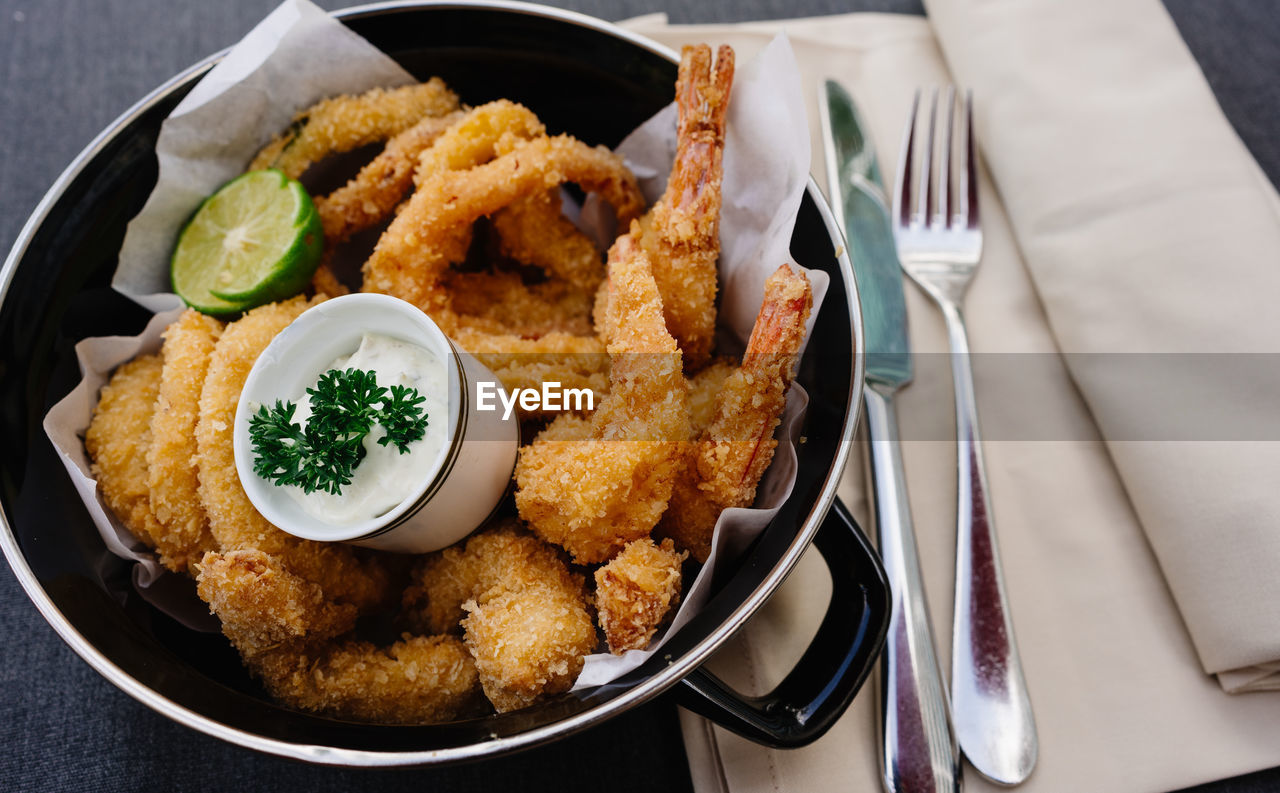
{"type": "Point", "coordinates": [344, 407]}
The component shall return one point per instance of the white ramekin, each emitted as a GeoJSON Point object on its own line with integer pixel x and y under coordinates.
{"type": "Point", "coordinates": [472, 472]}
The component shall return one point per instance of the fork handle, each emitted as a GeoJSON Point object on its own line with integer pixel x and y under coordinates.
{"type": "Point", "coordinates": [989, 700]}
{"type": "Point", "coordinates": [919, 753]}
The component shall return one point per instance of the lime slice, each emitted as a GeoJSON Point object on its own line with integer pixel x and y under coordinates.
{"type": "Point", "coordinates": [256, 240]}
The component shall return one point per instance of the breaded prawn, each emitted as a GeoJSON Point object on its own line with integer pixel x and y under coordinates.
{"type": "Point", "coordinates": [345, 123]}
{"type": "Point", "coordinates": [344, 574]}
{"type": "Point", "coordinates": [726, 463]}
{"type": "Point", "coordinates": [117, 441]}
{"type": "Point", "coordinates": [526, 624]}
{"type": "Point", "coordinates": [635, 592]}
{"type": "Point", "coordinates": [681, 233]}
{"type": "Point", "coordinates": [173, 475]}
{"type": "Point", "coordinates": [592, 495]}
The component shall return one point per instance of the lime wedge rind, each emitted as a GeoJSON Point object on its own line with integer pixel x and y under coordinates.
{"type": "Point", "coordinates": [256, 240]}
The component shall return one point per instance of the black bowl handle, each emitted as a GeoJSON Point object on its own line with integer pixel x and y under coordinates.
{"type": "Point", "coordinates": [820, 687]}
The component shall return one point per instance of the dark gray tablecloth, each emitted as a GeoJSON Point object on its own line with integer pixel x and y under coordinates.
{"type": "Point", "coordinates": [68, 68]}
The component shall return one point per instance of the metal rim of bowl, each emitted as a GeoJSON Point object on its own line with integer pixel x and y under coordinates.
{"type": "Point", "coordinates": [643, 692]}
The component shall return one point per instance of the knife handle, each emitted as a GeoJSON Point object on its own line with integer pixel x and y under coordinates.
{"type": "Point", "coordinates": [994, 722]}
{"type": "Point", "coordinates": [918, 746]}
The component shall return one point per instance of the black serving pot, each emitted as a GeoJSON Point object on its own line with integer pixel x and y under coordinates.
{"type": "Point", "coordinates": [579, 75]}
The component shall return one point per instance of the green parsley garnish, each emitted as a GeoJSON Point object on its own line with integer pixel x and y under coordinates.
{"type": "Point", "coordinates": [344, 408]}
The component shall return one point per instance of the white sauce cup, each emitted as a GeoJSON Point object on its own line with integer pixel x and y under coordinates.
{"type": "Point", "coordinates": [472, 471]}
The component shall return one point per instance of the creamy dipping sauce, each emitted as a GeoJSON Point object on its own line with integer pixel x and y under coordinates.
{"type": "Point", "coordinates": [384, 477]}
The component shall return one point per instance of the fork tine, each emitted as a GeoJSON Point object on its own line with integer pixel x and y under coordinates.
{"type": "Point", "coordinates": [945, 183]}
{"type": "Point", "coordinates": [924, 192]}
{"type": "Point", "coordinates": [902, 181]}
{"type": "Point", "coordinates": [968, 210]}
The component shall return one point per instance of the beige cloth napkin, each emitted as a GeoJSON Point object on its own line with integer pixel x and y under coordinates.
{"type": "Point", "coordinates": [1121, 696]}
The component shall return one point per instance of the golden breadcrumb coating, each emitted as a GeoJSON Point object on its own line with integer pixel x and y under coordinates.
{"type": "Point", "coordinates": [594, 495]}
{"type": "Point", "coordinates": [433, 231]}
{"type": "Point", "coordinates": [173, 477]}
{"type": "Point", "coordinates": [478, 136]}
{"type": "Point", "coordinates": [345, 574]}
{"type": "Point", "coordinates": [636, 591]}
{"type": "Point", "coordinates": [345, 123]}
{"type": "Point", "coordinates": [263, 607]}
{"type": "Point", "coordinates": [498, 302]}
{"type": "Point", "coordinates": [681, 233]}
{"type": "Point", "coordinates": [704, 390]}
{"type": "Point", "coordinates": [285, 629]}
{"type": "Point", "coordinates": [380, 185]}
{"type": "Point", "coordinates": [533, 231]}
{"type": "Point", "coordinates": [526, 619]}
{"type": "Point", "coordinates": [725, 465]}
{"type": "Point", "coordinates": [417, 680]}
{"type": "Point", "coordinates": [117, 441]}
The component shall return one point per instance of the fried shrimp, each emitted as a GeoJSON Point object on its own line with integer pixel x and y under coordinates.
{"type": "Point", "coordinates": [433, 231]}
{"type": "Point", "coordinates": [284, 628]}
{"type": "Point", "coordinates": [375, 191]}
{"type": "Point", "coordinates": [117, 441]}
{"type": "Point", "coordinates": [523, 612]}
{"type": "Point", "coordinates": [173, 478]}
{"type": "Point", "coordinates": [342, 572]}
{"type": "Point", "coordinates": [594, 488]}
{"type": "Point", "coordinates": [704, 390]}
{"type": "Point", "coordinates": [345, 123]}
{"type": "Point", "coordinates": [725, 465]}
{"type": "Point", "coordinates": [681, 233]}
{"type": "Point", "coordinates": [636, 591]}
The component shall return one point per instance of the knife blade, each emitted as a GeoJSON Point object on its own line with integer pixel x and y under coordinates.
{"type": "Point", "coordinates": [918, 744]}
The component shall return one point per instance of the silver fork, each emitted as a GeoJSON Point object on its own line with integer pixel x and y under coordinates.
{"type": "Point", "coordinates": [939, 244]}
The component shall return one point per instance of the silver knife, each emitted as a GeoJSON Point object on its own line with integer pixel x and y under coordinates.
{"type": "Point", "coordinates": [918, 746]}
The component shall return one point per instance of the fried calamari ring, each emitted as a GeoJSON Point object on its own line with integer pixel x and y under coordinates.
{"type": "Point", "coordinates": [594, 494]}
{"type": "Point", "coordinates": [173, 477]}
{"type": "Point", "coordinates": [342, 572]}
{"type": "Point", "coordinates": [635, 592]}
{"type": "Point", "coordinates": [284, 628]}
{"type": "Point", "coordinates": [344, 123]}
{"type": "Point", "coordinates": [479, 136]}
{"type": "Point", "coordinates": [417, 680]}
{"type": "Point", "coordinates": [499, 302]}
{"type": "Point", "coordinates": [375, 191]}
{"type": "Point", "coordinates": [117, 441]}
{"type": "Point", "coordinates": [532, 230]}
{"type": "Point", "coordinates": [433, 231]}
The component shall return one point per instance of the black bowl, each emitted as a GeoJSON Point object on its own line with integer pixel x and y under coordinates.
{"type": "Point", "coordinates": [581, 76]}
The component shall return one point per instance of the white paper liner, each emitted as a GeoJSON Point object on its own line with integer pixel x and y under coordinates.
{"type": "Point", "coordinates": [299, 55]}
{"type": "Point", "coordinates": [294, 58]}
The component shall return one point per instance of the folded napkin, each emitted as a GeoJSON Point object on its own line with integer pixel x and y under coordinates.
{"type": "Point", "coordinates": [1107, 247]}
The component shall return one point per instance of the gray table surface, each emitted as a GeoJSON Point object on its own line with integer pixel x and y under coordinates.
{"type": "Point", "coordinates": [67, 68]}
